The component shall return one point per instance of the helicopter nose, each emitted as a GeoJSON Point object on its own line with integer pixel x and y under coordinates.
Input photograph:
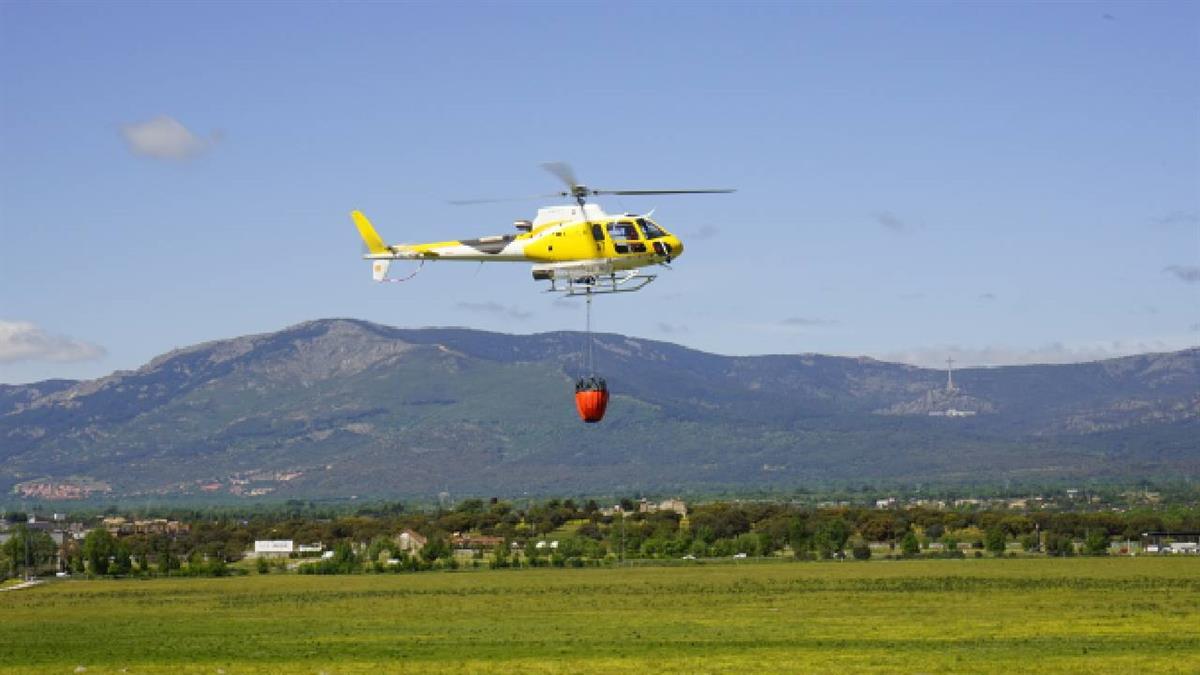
{"type": "Point", "coordinates": [676, 246]}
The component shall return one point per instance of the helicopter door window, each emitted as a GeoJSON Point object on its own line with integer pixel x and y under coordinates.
{"type": "Point", "coordinates": [597, 232]}
{"type": "Point", "coordinates": [625, 238]}
{"type": "Point", "coordinates": [622, 231]}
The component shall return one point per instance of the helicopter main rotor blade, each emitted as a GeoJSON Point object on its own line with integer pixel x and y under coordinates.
{"type": "Point", "coordinates": [498, 200]}
{"type": "Point", "coordinates": [564, 172]}
{"type": "Point", "coordinates": [663, 192]}
{"type": "Point", "coordinates": [580, 192]}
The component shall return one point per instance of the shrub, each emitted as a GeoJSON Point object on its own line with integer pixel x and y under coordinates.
{"type": "Point", "coordinates": [861, 551]}
{"type": "Point", "coordinates": [1029, 542]}
{"type": "Point", "coordinates": [1059, 545]}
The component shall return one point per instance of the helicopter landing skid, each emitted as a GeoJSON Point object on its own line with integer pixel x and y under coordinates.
{"type": "Point", "coordinates": [629, 282]}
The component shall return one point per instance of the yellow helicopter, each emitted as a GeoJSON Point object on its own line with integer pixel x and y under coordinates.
{"type": "Point", "coordinates": [578, 247]}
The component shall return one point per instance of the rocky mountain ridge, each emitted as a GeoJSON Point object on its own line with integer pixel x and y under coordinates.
{"type": "Point", "coordinates": [342, 407]}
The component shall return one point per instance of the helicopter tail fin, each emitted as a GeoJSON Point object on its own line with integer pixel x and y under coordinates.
{"type": "Point", "coordinates": [369, 236]}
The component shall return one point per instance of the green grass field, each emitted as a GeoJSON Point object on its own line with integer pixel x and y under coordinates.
{"type": "Point", "coordinates": [1058, 615]}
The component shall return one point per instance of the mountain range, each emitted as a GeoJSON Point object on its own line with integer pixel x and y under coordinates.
{"type": "Point", "coordinates": [341, 408]}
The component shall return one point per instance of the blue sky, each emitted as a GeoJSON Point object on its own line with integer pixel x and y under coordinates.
{"type": "Point", "coordinates": [1007, 182]}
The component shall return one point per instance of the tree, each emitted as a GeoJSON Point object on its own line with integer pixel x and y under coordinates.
{"type": "Point", "coordinates": [1058, 544]}
{"type": "Point", "coordinates": [98, 547]}
{"type": "Point", "coordinates": [382, 548]}
{"type": "Point", "coordinates": [590, 530]}
{"type": "Point", "coordinates": [799, 537]}
{"type": "Point", "coordinates": [831, 536]}
{"type": "Point", "coordinates": [909, 545]}
{"type": "Point", "coordinates": [343, 554]}
{"type": "Point", "coordinates": [879, 526]}
{"type": "Point", "coordinates": [1096, 543]}
{"type": "Point", "coordinates": [747, 543]}
{"type": "Point", "coordinates": [122, 561]}
{"type": "Point", "coordinates": [167, 560]}
{"type": "Point", "coordinates": [724, 521]}
{"type": "Point", "coordinates": [1029, 541]}
{"type": "Point", "coordinates": [436, 547]}
{"type": "Point", "coordinates": [995, 540]}
{"type": "Point", "coordinates": [500, 557]}
{"type": "Point", "coordinates": [29, 549]}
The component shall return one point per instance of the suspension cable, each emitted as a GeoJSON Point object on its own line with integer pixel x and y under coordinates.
{"type": "Point", "coordinates": [591, 364]}
{"type": "Point", "coordinates": [390, 280]}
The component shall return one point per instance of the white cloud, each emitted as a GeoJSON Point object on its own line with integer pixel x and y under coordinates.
{"type": "Point", "coordinates": [23, 341]}
{"type": "Point", "coordinates": [163, 138]}
{"type": "Point", "coordinates": [890, 221]}
{"type": "Point", "coordinates": [671, 328]}
{"type": "Point", "coordinates": [1185, 273]}
{"type": "Point", "coordinates": [1178, 218]}
{"type": "Point", "coordinates": [806, 322]}
{"type": "Point", "coordinates": [935, 357]}
{"type": "Point", "coordinates": [494, 308]}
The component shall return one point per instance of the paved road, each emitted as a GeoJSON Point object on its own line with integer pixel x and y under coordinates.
{"type": "Point", "coordinates": [23, 584]}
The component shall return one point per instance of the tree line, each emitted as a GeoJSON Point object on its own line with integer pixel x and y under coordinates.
{"type": "Point", "coordinates": [583, 532]}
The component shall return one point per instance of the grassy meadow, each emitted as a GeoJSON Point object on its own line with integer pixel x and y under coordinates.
{"type": "Point", "coordinates": [1054, 615]}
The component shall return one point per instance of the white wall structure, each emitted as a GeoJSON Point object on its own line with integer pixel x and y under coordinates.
{"type": "Point", "coordinates": [273, 547]}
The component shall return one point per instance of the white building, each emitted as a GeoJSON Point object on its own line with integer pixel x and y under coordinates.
{"type": "Point", "coordinates": [273, 547]}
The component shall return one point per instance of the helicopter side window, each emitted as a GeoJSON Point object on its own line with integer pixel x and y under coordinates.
{"type": "Point", "coordinates": [622, 231]}
{"type": "Point", "coordinates": [625, 237]}
{"type": "Point", "coordinates": [652, 231]}
{"type": "Point", "coordinates": [597, 232]}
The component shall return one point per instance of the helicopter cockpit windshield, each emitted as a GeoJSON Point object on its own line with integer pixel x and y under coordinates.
{"type": "Point", "coordinates": [652, 231]}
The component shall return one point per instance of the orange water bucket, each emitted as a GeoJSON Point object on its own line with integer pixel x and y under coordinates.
{"type": "Point", "coordinates": [591, 399]}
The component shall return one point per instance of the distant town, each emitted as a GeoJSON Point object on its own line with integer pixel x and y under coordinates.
{"type": "Point", "coordinates": [495, 533]}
